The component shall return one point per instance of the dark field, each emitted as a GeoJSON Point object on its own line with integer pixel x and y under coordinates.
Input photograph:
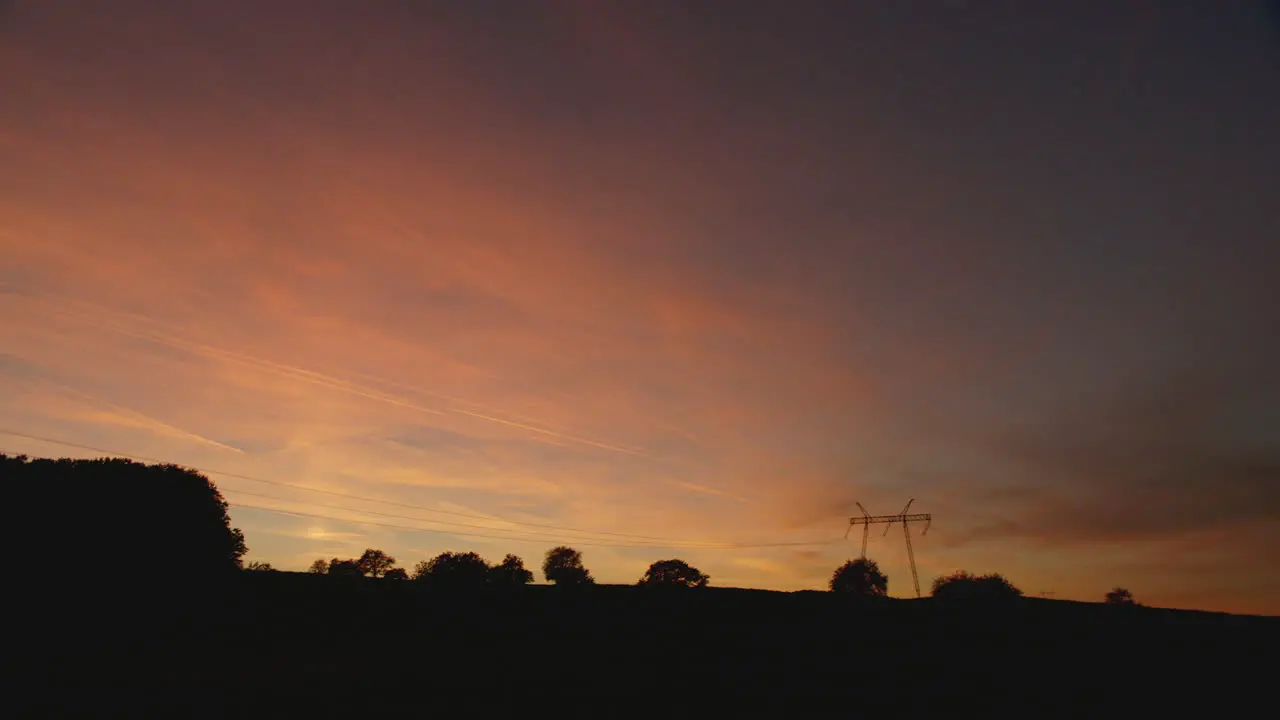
{"type": "Point", "coordinates": [298, 645]}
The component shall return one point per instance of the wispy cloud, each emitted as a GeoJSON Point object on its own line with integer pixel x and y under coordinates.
{"type": "Point", "coordinates": [704, 490]}
{"type": "Point", "coordinates": [315, 533]}
{"type": "Point", "coordinates": [618, 320]}
{"type": "Point", "coordinates": [129, 325]}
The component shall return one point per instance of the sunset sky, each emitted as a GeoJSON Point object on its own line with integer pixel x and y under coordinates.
{"type": "Point", "coordinates": [682, 275]}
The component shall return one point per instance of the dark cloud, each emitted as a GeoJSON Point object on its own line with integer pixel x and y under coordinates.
{"type": "Point", "coordinates": [1171, 456]}
{"type": "Point", "coordinates": [19, 369]}
{"type": "Point", "coordinates": [808, 556]}
{"type": "Point", "coordinates": [1188, 453]}
{"type": "Point", "coordinates": [1014, 260]}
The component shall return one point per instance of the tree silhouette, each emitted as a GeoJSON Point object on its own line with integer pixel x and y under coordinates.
{"type": "Point", "coordinates": [319, 567]}
{"type": "Point", "coordinates": [345, 568]}
{"type": "Point", "coordinates": [962, 585]}
{"type": "Point", "coordinates": [860, 578]}
{"type": "Point", "coordinates": [563, 566]}
{"type": "Point", "coordinates": [1120, 596]}
{"type": "Point", "coordinates": [510, 572]}
{"type": "Point", "coordinates": [453, 570]}
{"type": "Point", "coordinates": [375, 563]}
{"type": "Point", "coordinates": [173, 516]}
{"type": "Point", "coordinates": [259, 567]}
{"type": "Point", "coordinates": [674, 573]}
{"type": "Point", "coordinates": [396, 574]}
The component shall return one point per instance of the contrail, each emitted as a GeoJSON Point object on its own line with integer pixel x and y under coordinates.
{"type": "Point", "coordinates": [98, 316]}
{"type": "Point", "coordinates": [552, 433]}
{"type": "Point", "coordinates": [129, 416]}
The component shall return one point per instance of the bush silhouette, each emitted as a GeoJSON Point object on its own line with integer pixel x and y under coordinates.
{"type": "Point", "coordinates": [859, 578]}
{"type": "Point", "coordinates": [375, 563]}
{"type": "Point", "coordinates": [173, 517]}
{"type": "Point", "coordinates": [345, 568]}
{"type": "Point", "coordinates": [319, 567]}
{"type": "Point", "coordinates": [396, 574]}
{"type": "Point", "coordinates": [563, 566]}
{"type": "Point", "coordinates": [673, 573]}
{"type": "Point", "coordinates": [510, 573]}
{"type": "Point", "coordinates": [453, 570]}
{"type": "Point", "coordinates": [259, 567]}
{"type": "Point", "coordinates": [1120, 596]}
{"type": "Point", "coordinates": [962, 585]}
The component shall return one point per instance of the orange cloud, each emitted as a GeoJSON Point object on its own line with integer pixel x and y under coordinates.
{"type": "Point", "coordinates": [401, 260]}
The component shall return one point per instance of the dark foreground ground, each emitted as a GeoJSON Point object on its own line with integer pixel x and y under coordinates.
{"type": "Point", "coordinates": [291, 645]}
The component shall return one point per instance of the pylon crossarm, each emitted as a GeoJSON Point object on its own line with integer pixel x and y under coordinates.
{"type": "Point", "coordinates": [877, 519]}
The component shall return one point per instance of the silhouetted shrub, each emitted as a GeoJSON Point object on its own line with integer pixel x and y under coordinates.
{"type": "Point", "coordinates": [169, 518]}
{"type": "Point", "coordinates": [259, 567]}
{"type": "Point", "coordinates": [962, 585]}
{"type": "Point", "coordinates": [860, 578]}
{"type": "Point", "coordinates": [319, 567]}
{"type": "Point", "coordinates": [510, 573]}
{"type": "Point", "coordinates": [673, 573]}
{"type": "Point", "coordinates": [375, 563]}
{"type": "Point", "coordinates": [1120, 596]}
{"type": "Point", "coordinates": [345, 568]}
{"type": "Point", "coordinates": [396, 574]}
{"type": "Point", "coordinates": [563, 566]}
{"type": "Point", "coordinates": [453, 570]}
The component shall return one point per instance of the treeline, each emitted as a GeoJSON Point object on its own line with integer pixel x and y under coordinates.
{"type": "Point", "coordinates": [863, 578]}
{"type": "Point", "coordinates": [562, 565]}
{"type": "Point", "coordinates": [860, 578]}
{"type": "Point", "coordinates": [178, 515]}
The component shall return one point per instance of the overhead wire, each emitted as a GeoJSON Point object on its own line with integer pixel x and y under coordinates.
{"type": "Point", "coordinates": [533, 535]}
{"type": "Point", "coordinates": [636, 541]}
{"type": "Point", "coordinates": [587, 543]}
{"type": "Point", "coordinates": [348, 496]}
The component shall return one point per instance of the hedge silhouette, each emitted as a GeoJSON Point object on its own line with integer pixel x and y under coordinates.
{"type": "Point", "coordinates": [107, 513]}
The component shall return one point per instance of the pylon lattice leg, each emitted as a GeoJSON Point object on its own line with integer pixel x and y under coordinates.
{"type": "Point", "coordinates": [911, 555]}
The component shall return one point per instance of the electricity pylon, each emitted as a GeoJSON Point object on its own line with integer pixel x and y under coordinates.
{"type": "Point", "coordinates": [867, 520]}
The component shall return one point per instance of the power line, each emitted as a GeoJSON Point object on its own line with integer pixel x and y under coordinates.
{"type": "Point", "coordinates": [515, 539]}
{"type": "Point", "coordinates": [348, 496]}
{"type": "Point", "coordinates": [296, 513]}
{"type": "Point", "coordinates": [535, 535]}
{"type": "Point", "coordinates": [658, 541]}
